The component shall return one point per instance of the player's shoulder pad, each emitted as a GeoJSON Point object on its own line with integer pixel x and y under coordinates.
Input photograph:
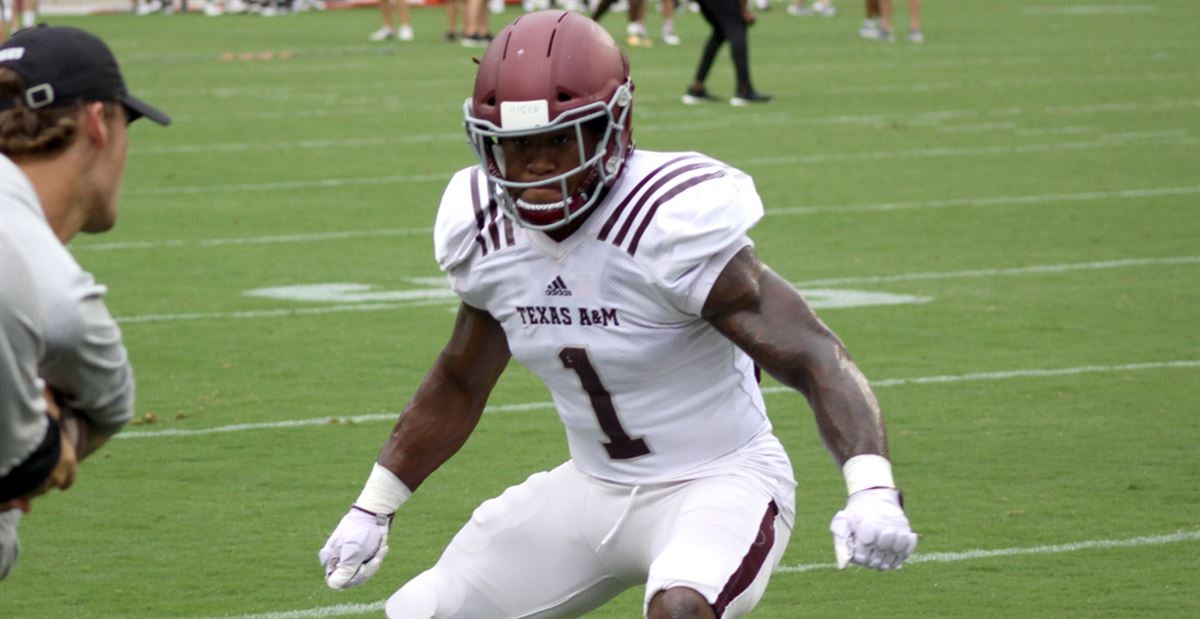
{"type": "Point", "coordinates": [458, 224]}
{"type": "Point", "coordinates": [696, 209]}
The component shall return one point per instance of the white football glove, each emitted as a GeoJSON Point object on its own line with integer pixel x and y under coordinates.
{"type": "Point", "coordinates": [872, 531]}
{"type": "Point", "coordinates": [355, 549]}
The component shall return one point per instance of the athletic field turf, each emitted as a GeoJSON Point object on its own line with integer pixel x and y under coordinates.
{"type": "Point", "coordinates": [1015, 203]}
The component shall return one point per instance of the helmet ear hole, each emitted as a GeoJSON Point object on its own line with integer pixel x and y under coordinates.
{"type": "Point", "coordinates": [563, 97]}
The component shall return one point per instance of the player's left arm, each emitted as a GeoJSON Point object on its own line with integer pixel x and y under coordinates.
{"type": "Point", "coordinates": [766, 317]}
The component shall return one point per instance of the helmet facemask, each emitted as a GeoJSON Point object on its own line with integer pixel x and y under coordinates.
{"type": "Point", "coordinates": [600, 168]}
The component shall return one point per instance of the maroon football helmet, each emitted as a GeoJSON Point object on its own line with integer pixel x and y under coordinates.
{"type": "Point", "coordinates": [547, 71]}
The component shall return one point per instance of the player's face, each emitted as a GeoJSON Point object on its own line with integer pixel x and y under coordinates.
{"type": "Point", "coordinates": [108, 172]}
{"type": "Point", "coordinates": [529, 159]}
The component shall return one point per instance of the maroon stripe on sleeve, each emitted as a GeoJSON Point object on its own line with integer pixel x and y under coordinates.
{"type": "Point", "coordinates": [493, 211]}
{"type": "Point", "coordinates": [674, 191]}
{"type": "Point", "coordinates": [752, 563]}
{"type": "Point", "coordinates": [616, 214]}
{"type": "Point", "coordinates": [508, 232]}
{"type": "Point", "coordinates": [477, 204]}
{"type": "Point", "coordinates": [637, 208]}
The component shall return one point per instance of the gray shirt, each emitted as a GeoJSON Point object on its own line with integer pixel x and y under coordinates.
{"type": "Point", "coordinates": [84, 358]}
{"type": "Point", "coordinates": [23, 422]}
{"type": "Point", "coordinates": [22, 410]}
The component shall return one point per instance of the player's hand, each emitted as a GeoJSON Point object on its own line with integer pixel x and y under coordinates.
{"type": "Point", "coordinates": [355, 549]}
{"type": "Point", "coordinates": [872, 531]}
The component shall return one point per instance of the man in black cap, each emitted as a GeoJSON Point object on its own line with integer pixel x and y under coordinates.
{"type": "Point", "coordinates": [64, 109]}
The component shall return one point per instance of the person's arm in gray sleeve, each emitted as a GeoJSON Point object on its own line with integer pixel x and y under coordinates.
{"type": "Point", "coordinates": [87, 367]}
{"type": "Point", "coordinates": [23, 420]}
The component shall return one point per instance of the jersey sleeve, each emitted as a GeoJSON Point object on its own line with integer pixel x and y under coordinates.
{"type": "Point", "coordinates": [456, 231]}
{"type": "Point", "coordinates": [695, 234]}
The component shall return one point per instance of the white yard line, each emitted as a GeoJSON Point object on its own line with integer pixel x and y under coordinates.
{"type": "Point", "coordinates": [816, 283]}
{"type": "Point", "coordinates": [507, 408]}
{"type": "Point", "coordinates": [279, 313]}
{"type": "Point", "coordinates": [257, 240]}
{"type": "Point", "coordinates": [1088, 196]}
{"type": "Point", "coordinates": [651, 122]}
{"type": "Point", "coordinates": [1089, 9]}
{"type": "Point", "coordinates": [1115, 140]}
{"type": "Point", "coordinates": [933, 557]}
{"type": "Point", "coordinates": [1029, 270]}
{"type": "Point", "coordinates": [1052, 549]}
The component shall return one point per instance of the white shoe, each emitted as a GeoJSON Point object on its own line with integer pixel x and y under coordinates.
{"type": "Point", "coordinates": [383, 34]}
{"type": "Point", "coordinates": [799, 11]}
{"type": "Point", "coordinates": [496, 6]}
{"type": "Point", "coordinates": [824, 8]}
{"type": "Point", "coordinates": [670, 38]}
{"type": "Point", "coordinates": [869, 29]}
{"type": "Point", "coordinates": [915, 36]}
{"type": "Point", "coordinates": [405, 33]}
{"type": "Point", "coordinates": [148, 7]}
{"type": "Point", "coordinates": [235, 6]}
{"type": "Point", "coordinates": [762, 5]}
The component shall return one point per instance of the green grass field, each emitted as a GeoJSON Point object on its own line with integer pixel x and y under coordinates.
{"type": "Point", "coordinates": [1031, 173]}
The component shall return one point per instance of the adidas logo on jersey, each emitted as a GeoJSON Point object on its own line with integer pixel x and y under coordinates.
{"type": "Point", "coordinates": [558, 288]}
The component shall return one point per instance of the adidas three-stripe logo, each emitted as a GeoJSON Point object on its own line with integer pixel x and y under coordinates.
{"type": "Point", "coordinates": [558, 288]}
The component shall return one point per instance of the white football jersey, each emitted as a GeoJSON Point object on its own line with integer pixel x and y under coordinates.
{"type": "Point", "coordinates": [610, 318]}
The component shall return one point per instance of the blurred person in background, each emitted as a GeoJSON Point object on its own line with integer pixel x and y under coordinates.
{"type": "Point", "coordinates": [23, 14]}
{"type": "Point", "coordinates": [886, 33]}
{"type": "Point", "coordinates": [64, 111]}
{"type": "Point", "coordinates": [389, 10]}
{"type": "Point", "coordinates": [730, 21]}
{"type": "Point", "coordinates": [801, 8]}
{"type": "Point", "coordinates": [871, 28]}
{"type": "Point", "coordinates": [636, 34]}
{"type": "Point", "coordinates": [668, 26]}
{"type": "Point", "coordinates": [477, 31]}
{"type": "Point", "coordinates": [455, 12]}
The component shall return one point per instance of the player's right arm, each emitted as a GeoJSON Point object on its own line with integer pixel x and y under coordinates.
{"type": "Point", "coordinates": [450, 400]}
{"type": "Point", "coordinates": [433, 427]}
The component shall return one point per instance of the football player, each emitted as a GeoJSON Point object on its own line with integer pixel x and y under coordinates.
{"type": "Point", "coordinates": [625, 280]}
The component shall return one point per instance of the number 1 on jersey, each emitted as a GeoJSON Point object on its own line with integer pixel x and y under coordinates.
{"type": "Point", "coordinates": [620, 445]}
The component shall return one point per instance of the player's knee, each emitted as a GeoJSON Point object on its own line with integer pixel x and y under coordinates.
{"type": "Point", "coordinates": [417, 599]}
{"type": "Point", "coordinates": [680, 603]}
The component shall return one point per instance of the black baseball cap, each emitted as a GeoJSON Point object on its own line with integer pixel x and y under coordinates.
{"type": "Point", "coordinates": [62, 65]}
